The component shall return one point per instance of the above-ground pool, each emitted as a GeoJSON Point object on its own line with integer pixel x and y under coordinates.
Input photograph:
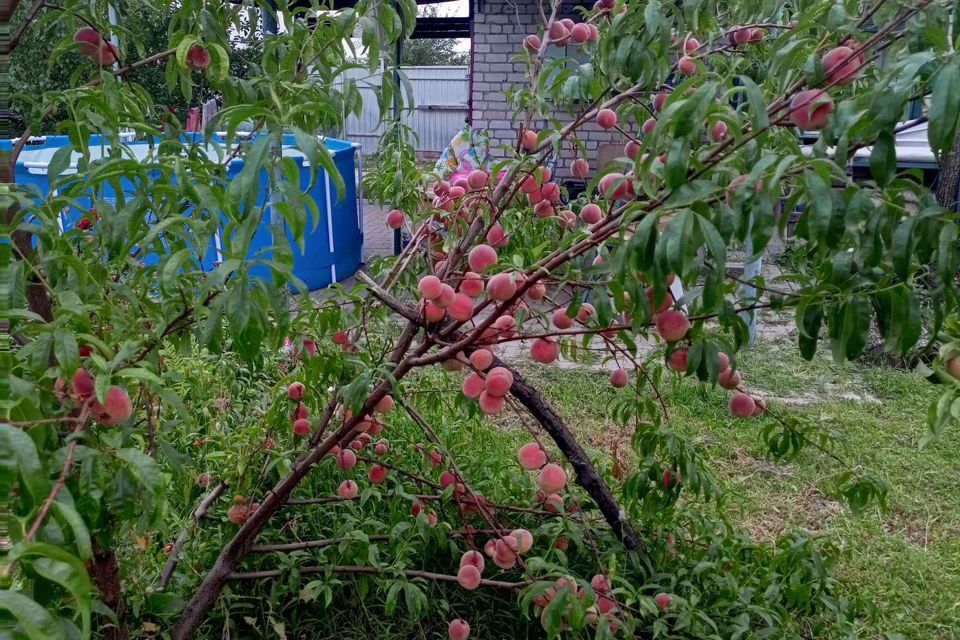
{"type": "Point", "coordinates": [333, 245]}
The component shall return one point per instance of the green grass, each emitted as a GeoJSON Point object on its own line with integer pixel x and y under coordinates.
{"type": "Point", "coordinates": [904, 561]}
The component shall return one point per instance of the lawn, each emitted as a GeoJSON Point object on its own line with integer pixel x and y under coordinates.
{"type": "Point", "coordinates": [903, 562]}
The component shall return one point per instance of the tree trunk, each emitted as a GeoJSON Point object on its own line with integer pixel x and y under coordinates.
{"type": "Point", "coordinates": [948, 181]}
{"type": "Point", "coordinates": [105, 572]}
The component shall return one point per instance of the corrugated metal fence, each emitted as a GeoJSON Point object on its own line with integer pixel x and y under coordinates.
{"type": "Point", "coordinates": [440, 107]}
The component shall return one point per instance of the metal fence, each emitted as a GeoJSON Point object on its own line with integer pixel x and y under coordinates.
{"type": "Point", "coordinates": [440, 107]}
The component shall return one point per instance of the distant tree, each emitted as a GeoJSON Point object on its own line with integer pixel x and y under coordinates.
{"type": "Point", "coordinates": [144, 29]}
{"type": "Point", "coordinates": [432, 51]}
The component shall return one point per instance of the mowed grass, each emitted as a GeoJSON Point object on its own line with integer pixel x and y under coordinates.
{"type": "Point", "coordinates": [902, 562]}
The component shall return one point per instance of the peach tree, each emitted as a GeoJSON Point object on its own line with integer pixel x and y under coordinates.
{"type": "Point", "coordinates": [179, 440]}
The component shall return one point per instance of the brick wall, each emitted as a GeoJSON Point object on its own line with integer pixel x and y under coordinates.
{"type": "Point", "coordinates": [499, 28]}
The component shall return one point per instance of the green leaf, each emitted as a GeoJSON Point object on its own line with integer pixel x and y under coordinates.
{"type": "Point", "coordinates": [33, 619]}
{"type": "Point", "coordinates": [62, 568]}
{"type": "Point", "coordinates": [81, 535]}
{"type": "Point", "coordinates": [33, 476]}
{"type": "Point", "coordinates": [902, 248]}
{"type": "Point", "coordinates": [944, 108]}
{"type": "Point", "coordinates": [59, 163]}
{"type": "Point", "coordinates": [758, 107]}
{"type": "Point", "coordinates": [883, 158]}
{"type": "Point", "coordinates": [184, 46]}
{"type": "Point", "coordinates": [66, 350]}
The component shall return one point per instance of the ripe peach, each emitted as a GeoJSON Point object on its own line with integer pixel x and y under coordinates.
{"type": "Point", "coordinates": [341, 338]}
{"type": "Point", "coordinates": [687, 66]}
{"type": "Point", "coordinates": [662, 600]}
{"type": "Point", "coordinates": [550, 192]}
{"type": "Point", "coordinates": [435, 458]}
{"type": "Point", "coordinates": [552, 478]}
{"type": "Point", "coordinates": [356, 445]}
{"type": "Point", "coordinates": [301, 411]}
{"type": "Point", "coordinates": [83, 384]}
{"type": "Point", "coordinates": [296, 390]}
{"type": "Point", "coordinates": [558, 33]}
{"type": "Point", "coordinates": [447, 479]}
{"type": "Point", "coordinates": [591, 213]}
{"type": "Point", "coordinates": [430, 287]}
{"type": "Point", "coordinates": [543, 209]}
{"type": "Point", "coordinates": [723, 361]}
{"type": "Point", "coordinates": [481, 257]}
{"type": "Point", "coordinates": [203, 479]}
{"type": "Point", "coordinates": [468, 577]}
{"type": "Point", "coordinates": [544, 350]}
{"type": "Point", "coordinates": [729, 378]}
{"type": "Point", "coordinates": [499, 381]}
{"type": "Point", "coordinates": [89, 41]}
{"type": "Point", "coordinates": [579, 168]}
{"type": "Point", "coordinates": [659, 99]}
{"type": "Point", "coordinates": [531, 456]}
{"type": "Point", "coordinates": [481, 359]}
{"type": "Point", "coordinates": [384, 405]}
{"type": "Point", "coordinates": [346, 459]}
{"type": "Point", "coordinates": [619, 378]}
{"type": "Point", "coordinates": [471, 284]}
{"type": "Point", "coordinates": [566, 219]}
{"type": "Point", "coordinates": [664, 305]}
{"type": "Point", "coordinates": [490, 548]}
{"type": "Point", "coordinates": [301, 427]}
{"type": "Point", "coordinates": [528, 141]}
{"type": "Point", "coordinates": [532, 43]}
{"type": "Point", "coordinates": [690, 45]}
{"type": "Point", "coordinates": [461, 309]}
{"type": "Point", "coordinates": [237, 513]}
{"type": "Point", "coordinates": [742, 405]}
{"type": "Point", "coordinates": [491, 404]}
{"type": "Point", "coordinates": [561, 320]}
{"type": "Point", "coordinates": [433, 313]}
{"type": "Point", "coordinates": [116, 408]}
{"type": "Point", "coordinates": [377, 474]}
{"type": "Point", "coordinates": [496, 237]}
{"type": "Point", "coordinates": [473, 386]}
{"type": "Point", "coordinates": [523, 538]}
{"type": "Point", "coordinates": [718, 131]}
{"type": "Point", "coordinates": [580, 33]}
{"type": "Point", "coordinates": [458, 190]}
{"type": "Point", "coordinates": [380, 448]}
{"type": "Point", "coordinates": [672, 325]}
{"type": "Point", "coordinates": [501, 286]}
{"type": "Point", "coordinates": [757, 34]}
{"type": "Point", "coordinates": [648, 126]}
{"type": "Point", "coordinates": [395, 219]}
{"type": "Point", "coordinates": [537, 291]}
{"type": "Point", "coordinates": [677, 360]}
{"type": "Point", "coordinates": [614, 186]}
{"type": "Point", "coordinates": [562, 544]}
{"type": "Point", "coordinates": [505, 551]}
{"type": "Point", "coordinates": [761, 406]}
{"type": "Point", "coordinates": [740, 35]}
{"type": "Point", "coordinates": [607, 118]}
{"type": "Point", "coordinates": [473, 558]}
{"type": "Point", "coordinates": [198, 57]}
{"type": "Point", "coordinates": [810, 109]}
{"type": "Point", "coordinates": [459, 629]}
{"type": "Point", "coordinates": [506, 326]}
{"type": "Point", "coordinates": [348, 490]}
{"type": "Point", "coordinates": [952, 366]}
{"type": "Point", "coordinates": [600, 583]}
{"type": "Point", "coordinates": [553, 503]}
{"type": "Point", "coordinates": [840, 65]}
{"type": "Point", "coordinates": [477, 179]}
{"type": "Point", "coordinates": [446, 297]}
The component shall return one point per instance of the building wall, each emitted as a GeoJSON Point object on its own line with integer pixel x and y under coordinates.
{"type": "Point", "coordinates": [498, 31]}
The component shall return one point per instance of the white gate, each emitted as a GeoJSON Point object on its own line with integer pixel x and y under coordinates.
{"type": "Point", "coordinates": [440, 107]}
